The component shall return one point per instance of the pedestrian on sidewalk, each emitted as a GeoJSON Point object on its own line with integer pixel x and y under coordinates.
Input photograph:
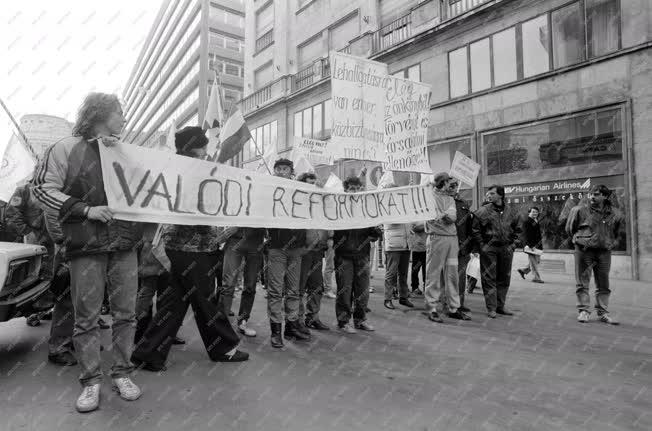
{"type": "Point", "coordinates": [463, 223]}
{"type": "Point", "coordinates": [286, 247]}
{"type": "Point", "coordinates": [352, 269]}
{"type": "Point", "coordinates": [102, 251]}
{"type": "Point", "coordinates": [397, 257]}
{"type": "Point", "coordinates": [533, 245]}
{"type": "Point", "coordinates": [495, 235]}
{"type": "Point", "coordinates": [595, 228]}
{"type": "Point", "coordinates": [193, 263]}
{"type": "Point", "coordinates": [442, 294]}
{"type": "Point", "coordinates": [417, 243]}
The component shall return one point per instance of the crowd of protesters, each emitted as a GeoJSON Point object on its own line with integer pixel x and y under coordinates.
{"type": "Point", "coordinates": [96, 259]}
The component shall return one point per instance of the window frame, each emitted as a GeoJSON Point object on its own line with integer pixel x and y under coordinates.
{"type": "Point", "coordinates": [301, 113]}
{"type": "Point", "coordinates": [518, 30]}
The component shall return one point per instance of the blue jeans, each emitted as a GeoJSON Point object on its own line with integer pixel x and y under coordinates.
{"type": "Point", "coordinates": [283, 274]}
{"type": "Point", "coordinates": [598, 262]}
{"type": "Point", "coordinates": [248, 262]}
{"type": "Point", "coordinates": [89, 277]}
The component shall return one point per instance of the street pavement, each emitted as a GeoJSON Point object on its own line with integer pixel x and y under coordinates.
{"type": "Point", "coordinates": [538, 370]}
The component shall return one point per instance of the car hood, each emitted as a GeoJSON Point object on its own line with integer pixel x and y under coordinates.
{"type": "Point", "coordinates": [16, 250]}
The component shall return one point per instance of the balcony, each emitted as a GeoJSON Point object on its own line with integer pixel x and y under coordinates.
{"type": "Point", "coordinates": [426, 15]}
{"type": "Point", "coordinates": [265, 40]}
{"type": "Point", "coordinates": [269, 93]}
{"type": "Point", "coordinates": [317, 71]}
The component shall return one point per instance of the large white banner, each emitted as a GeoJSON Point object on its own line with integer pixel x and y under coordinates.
{"type": "Point", "coordinates": [407, 108]}
{"type": "Point", "coordinates": [157, 187]}
{"type": "Point", "coordinates": [358, 95]}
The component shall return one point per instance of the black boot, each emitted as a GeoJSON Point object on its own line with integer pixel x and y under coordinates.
{"type": "Point", "coordinates": [276, 337]}
{"type": "Point", "coordinates": [293, 330]}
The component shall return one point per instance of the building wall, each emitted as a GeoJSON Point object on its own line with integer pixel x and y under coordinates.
{"type": "Point", "coordinates": [180, 94]}
{"type": "Point", "coordinates": [620, 79]}
{"type": "Point", "coordinates": [623, 79]}
{"type": "Point", "coordinates": [44, 130]}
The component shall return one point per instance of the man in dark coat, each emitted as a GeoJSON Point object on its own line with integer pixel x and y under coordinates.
{"type": "Point", "coordinates": [495, 236]}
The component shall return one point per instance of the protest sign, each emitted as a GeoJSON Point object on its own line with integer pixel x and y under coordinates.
{"type": "Point", "coordinates": [464, 169]}
{"type": "Point", "coordinates": [358, 90]}
{"type": "Point", "coordinates": [157, 187]}
{"type": "Point", "coordinates": [407, 108]}
{"type": "Point", "coordinates": [315, 151]}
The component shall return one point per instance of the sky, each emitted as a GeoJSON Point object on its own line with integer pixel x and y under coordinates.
{"type": "Point", "coordinates": [55, 52]}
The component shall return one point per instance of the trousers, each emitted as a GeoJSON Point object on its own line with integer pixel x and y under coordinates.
{"type": "Point", "coordinates": [441, 290]}
{"type": "Point", "coordinates": [90, 275]}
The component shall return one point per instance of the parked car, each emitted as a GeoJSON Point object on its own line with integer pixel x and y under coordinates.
{"type": "Point", "coordinates": [20, 284]}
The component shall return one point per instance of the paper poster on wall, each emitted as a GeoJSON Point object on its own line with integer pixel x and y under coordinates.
{"type": "Point", "coordinates": [407, 109]}
{"type": "Point", "coordinates": [359, 89]}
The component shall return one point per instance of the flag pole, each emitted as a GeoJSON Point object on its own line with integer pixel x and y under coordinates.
{"type": "Point", "coordinates": [261, 155]}
{"type": "Point", "coordinates": [20, 131]}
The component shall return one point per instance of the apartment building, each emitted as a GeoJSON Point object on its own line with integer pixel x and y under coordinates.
{"type": "Point", "coordinates": [190, 43]}
{"type": "Point", "coordinates": [549, 96]}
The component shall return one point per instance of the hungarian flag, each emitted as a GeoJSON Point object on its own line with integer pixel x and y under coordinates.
{"type": "Point", "coordinates": [233, 136]}
{"type": "Point", "coordinates": [215, 111]}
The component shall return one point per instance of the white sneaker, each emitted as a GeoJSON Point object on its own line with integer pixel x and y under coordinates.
{"type": "Point", "coordinates": [364, 326]}
{"type": "Point", "coordinates": [605, 318]}
{"type": "Point", "coordinates": [583, 317]}
{"type": "Point", "coordinates": [372, 290]}
{"type": "Point", "coordinates": [127, 389]}
{"type": "Point", "coordinates": [245, 330]}
{"type": "Point", "coordinates": [330, 295]}
{"type": "Point", "coordinates": [347, 328]}
{"type": "Point", "coordinates": [89, 399]}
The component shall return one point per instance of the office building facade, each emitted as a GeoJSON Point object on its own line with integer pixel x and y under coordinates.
{"type": "Point", "coordinates": [190, 43]}
{"type": "Point", "coordinates": [43, 130]}
{"type": "Point", "coordinates": [549, 96]}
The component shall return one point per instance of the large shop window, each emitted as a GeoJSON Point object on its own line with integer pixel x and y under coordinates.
{"type": "Point", "coordinates": [552, 165]}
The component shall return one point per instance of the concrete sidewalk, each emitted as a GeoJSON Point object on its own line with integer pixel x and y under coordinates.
{"type": "Point", "coordinates": [538, 370]}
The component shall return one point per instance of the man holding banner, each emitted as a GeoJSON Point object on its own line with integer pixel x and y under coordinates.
{"type": "Point", "coordinates": [102, 254]}
{"type": "Point", "coordinates": [283, 274]}
{"type": "Point", "coordinates": [192, 251]}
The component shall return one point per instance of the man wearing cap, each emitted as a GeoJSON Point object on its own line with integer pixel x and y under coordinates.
{"type": "Point", "coordinates": [283, 274]}
{"type": "Point", "coordinates": [441, 255]}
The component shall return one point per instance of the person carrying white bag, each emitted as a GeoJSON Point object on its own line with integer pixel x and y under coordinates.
{"type": "Point", "coordinates": [473, 273]}
{"type": "Point", "coordinates": [533, 245]}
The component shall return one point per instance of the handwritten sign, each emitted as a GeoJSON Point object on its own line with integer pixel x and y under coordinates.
{"type": "Point", "coordinates": [358, 90]}
{"type": "Point", "coordinates": [464, 169]}
{"type": "Point", "coordinates": [407, 108]}
{"type": "Point", "coordinates": [315, 151]}
{"type": "Point", "coordinates": [153, 186]}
